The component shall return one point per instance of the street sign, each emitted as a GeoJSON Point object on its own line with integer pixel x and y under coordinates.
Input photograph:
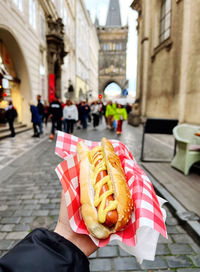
{"type": "Point", "coordinates": [100, 96]}
{"type": "Point", "coordinates": [124, 92]}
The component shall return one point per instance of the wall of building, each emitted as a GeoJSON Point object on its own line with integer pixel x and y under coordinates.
{"type": "Point", "coordinates": [68, 14]}
{"type": "Point", "coordinates": [87, 47]}
{"type": "Point", "coordinates": [25, 39]}
{"type": "Point", "coordinates": [168, 81]}
{"type": "Point", "coordinates": [192, 91]}
{"type": "Point", "coordinates": [164, 66]}
{"type": "Point", "coordinates": [15, 26]}
{"type": "Point", "coordinates": [94, 62]}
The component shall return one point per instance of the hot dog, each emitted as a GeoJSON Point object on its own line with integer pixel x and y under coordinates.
{"type": "Point", "coordinates": [106, 203]}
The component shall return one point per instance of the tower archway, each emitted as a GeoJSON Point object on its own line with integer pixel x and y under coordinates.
{"type": "Point", "coordinates": [112, 90]}
{"type": "Point", "coordinates": [113, 39]}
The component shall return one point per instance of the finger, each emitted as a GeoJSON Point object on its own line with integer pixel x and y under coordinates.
{"type": "Point", "coordinates": [63, 215]}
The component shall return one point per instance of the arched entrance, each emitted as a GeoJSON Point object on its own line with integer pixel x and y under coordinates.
{"type": "Point", "coordinates": [15, 74]}
{"type": "Point", "coordinates": [112, 90]}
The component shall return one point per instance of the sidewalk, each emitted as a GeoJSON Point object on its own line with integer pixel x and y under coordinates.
{"type": "Point", "coordinates": [19, 128]}
{"type": "Point", "coordinates": [30, 197]}
{"type": "Point", "coordinates": [182, 192]}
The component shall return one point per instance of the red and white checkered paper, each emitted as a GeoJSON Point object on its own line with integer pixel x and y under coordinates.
{"type": "Point", "coordinates": [147, 211]}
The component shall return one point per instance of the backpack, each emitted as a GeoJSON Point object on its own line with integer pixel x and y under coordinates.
{"type": "Point", "coordinates": [14, 113]}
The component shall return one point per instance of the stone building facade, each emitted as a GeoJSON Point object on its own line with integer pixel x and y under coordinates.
{"type": "Point", "coordinates": [87, 50]}
{"type": "Point", "coordinates": [38, 52]}
{"type": "Point", "coordinates": [113, 45]}
{"type": "Point", "coordinates": [168, 59]}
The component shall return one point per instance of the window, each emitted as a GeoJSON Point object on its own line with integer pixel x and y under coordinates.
{"type": "Point", "coordinates": [118, 46]}
{"type": "Point", "coordinates": [42, 26]}
{"type": "Point", "coordinates": [19, 4]}
{"type": "Point", "coordinates": [165, 20]}
{"type": "Point", "coordinates": [106, 46]}
{"type": "Point", "coordinates": [32, 13]}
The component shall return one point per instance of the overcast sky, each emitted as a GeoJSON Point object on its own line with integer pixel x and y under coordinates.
{"type": "Point", "coordinates": [100, 8]}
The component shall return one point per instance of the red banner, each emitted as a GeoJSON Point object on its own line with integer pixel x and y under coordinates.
{"type": "Point", "coordinates": [51, 87]}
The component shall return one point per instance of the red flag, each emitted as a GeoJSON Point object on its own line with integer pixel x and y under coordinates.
{"type": "Point", "coordinates": [51, 87]}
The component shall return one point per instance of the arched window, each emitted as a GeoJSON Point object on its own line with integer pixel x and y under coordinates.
{"type": "Point", "coordinates": [165, 20]}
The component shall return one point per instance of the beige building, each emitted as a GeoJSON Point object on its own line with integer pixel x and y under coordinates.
{"type": "Point", "coordinates": [87, 48]}
{"type": "Point", "coordinates": [94, 62]}
{"type": "Point", "coordinates": [168, 82]}
{"type": "Point", "coordinates": [39, 52]}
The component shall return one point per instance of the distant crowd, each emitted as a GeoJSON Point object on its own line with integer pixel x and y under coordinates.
{"type": "Point", "coordinates": [64, 116]}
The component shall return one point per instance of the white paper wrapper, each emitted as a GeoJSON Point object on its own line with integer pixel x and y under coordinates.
{"type": "Point", "coordinates": [147, 239]}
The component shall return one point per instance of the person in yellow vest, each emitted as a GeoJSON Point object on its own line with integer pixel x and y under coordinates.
{"type": "Point", "coordinates": [110, 112]}
{"type": "Point", "coordinates": [119, 117]}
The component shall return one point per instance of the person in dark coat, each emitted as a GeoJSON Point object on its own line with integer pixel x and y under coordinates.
{"type": "Point", "coordinates": [40, 107]}
{"type": "Point", "coordinates": [11, 114]}
{"type": "Point", "coordinates": [35, 119]}
{"type": "Point", "coordinates": [46, 251]}
{"type": "Point", "coordinates": [46, 113]}
{"type": "Point", "coordinates": [84, 110]}
{"type": "Point", "coordinates": [56, 114]}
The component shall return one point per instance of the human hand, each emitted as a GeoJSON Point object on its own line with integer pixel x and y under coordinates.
{"type": "Point", "coordinates": [63, 228]}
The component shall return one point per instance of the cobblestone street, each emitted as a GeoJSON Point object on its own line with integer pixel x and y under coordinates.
{"type": "Point", "coordinates": [30, 196]}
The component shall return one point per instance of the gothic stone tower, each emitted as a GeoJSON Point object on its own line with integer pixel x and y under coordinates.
{"type": "Point", "coordinates": [113, 43]}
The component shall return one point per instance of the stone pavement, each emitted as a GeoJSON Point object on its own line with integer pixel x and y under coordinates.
{"type": "Point", "coordinates": [30, 196]}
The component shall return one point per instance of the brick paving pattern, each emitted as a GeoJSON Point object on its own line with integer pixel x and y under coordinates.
{"type": "Point", "coordinates": [30, 196]}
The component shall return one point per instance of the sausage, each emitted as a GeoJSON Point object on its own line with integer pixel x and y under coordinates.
{"type": "Point", "coordinates": [112, 216]}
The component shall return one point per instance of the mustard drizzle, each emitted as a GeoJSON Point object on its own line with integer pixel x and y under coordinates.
{"type": "Point", "coordinates": [96, 154]}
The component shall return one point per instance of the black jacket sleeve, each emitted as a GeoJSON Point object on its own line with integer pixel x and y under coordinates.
{"type": "Point", "coordinates": [44, 251]}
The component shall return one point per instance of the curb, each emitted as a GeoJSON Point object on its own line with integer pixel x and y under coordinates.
{"type": "Point", "coordinates": [6, 134]}
{"type": "Point", "coordinates": [188, 219]}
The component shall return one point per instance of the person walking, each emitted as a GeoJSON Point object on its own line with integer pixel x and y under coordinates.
{"type": "Point", "coordinates": [41, 112]}
{"type": "Point", "coordinates": [56, 113]}
{"type": "Point", "coordinates": [35, 119]}
{"type": "Point", "coordinates": [11, 114]}
{"type": "Point", "coordinates": [70, 116]}
{"type": "Point", "coordinates": [120, 116]}
{"type": "Point", "coordinates": [110, 112]}
{"type": "Point", "coordinates": [46, 113]}
{"type": "Point", "coordinates": [102, 110]}
{"type": "Point", "coordinates": [95, 110]}
{"type": "Point", "coordinates": [84, 109]}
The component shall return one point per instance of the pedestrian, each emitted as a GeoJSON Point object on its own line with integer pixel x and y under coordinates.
{"type": "Point", "coordinates": [110, 112]}
{"type": "Point", "coordinates": [35, 119]}
{"type": "Point", "coordinates": [50, 251]}
{"type": "Point", "coordinates": [128, 108]}
{"type": "Point", "coordinates": [84, 109]}
{"type": "Point", "coordinates": [79, 115]}
{"type": "Point", "coordinates": [120, 116]}
{"type": "Point", "coordinates": [95, 110]}
{"type": "Point", "coordinates": [11, 114]}
{"type": "Point", "coordinates": [46, 113]}
{"type": "Point", "coordinates": [70, 116]}
{"type": "Point", "coordinates": [56, 113]}
{"type": "Point", "coordinates": [41, 112]}
{"type": "Point", "coordinates": [102, 110]}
